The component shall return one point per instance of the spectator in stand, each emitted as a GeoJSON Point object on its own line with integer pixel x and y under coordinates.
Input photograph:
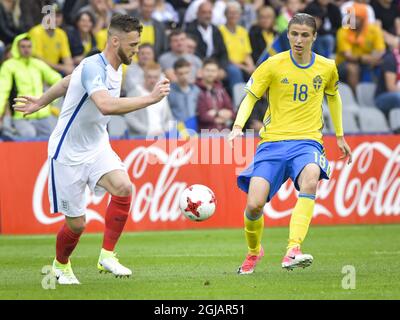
{"type": "Point", "coordinates": [10, 20]}
{"type": "Point", "coordinates": [387, 95]}
{"type": "Point", "coordinates": [214, 106]}
{"type": "Point", "coordinates": [262, 34]}
{"type": "Point", "coordinates": [191, 44]}
{"type": "Point", "coordinates": [184, 95]}
{"type": "Point", "coordinates": [237, 43]}
{"type": "Point", "coordinates": [217, 14]}
{"type": "Point", "coordinates": [248, 16]}
{"type": "Point", "coordinates": [290, 8]}
{"type": "Point", "coordinates": [329, 20]}
{"type": "Point", "coordinates": [181, 7]}
{"type": "Point", "coordinates": [51, 46]}
{"type": "Point", "coordinates": [178, 49]}
{"type": "Point", "coordinates": [164, 12]}
{"type": "Point", "coordinates": [209, 40]}
{"type": "Point", "coordinates": [153, 30]}
{"type": "Point", "coordinates": [80, 36]}
{"type": "Point", "coordinates": [124, 6]}
{"type": "Point", "coordinates": [388, 17]}
{"type": "Point", "coordinates": [102, 12]}
{"type": "Point", "coordinates": [347, 10]}
{"type": "Point", "coordinates": [359, 50]}
{"type": "Point", "coordinates": [31, 11]}
{"type": "Point", "coordinates": [156, 119]}
{"type": "Point", "coordinates": [135, 72]}
{"type": "Point", "coordinates": [23, 75]}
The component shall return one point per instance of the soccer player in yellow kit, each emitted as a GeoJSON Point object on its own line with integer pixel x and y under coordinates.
{"type": "Point", "coordinates": [291, 138]}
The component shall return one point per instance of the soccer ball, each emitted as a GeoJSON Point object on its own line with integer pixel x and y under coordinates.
{"type": "Point", "coordinates": [197, 202]}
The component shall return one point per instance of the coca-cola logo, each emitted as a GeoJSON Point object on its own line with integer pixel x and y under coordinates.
{"type": "Point", "coordinates": [355, 189]}
{"type": "Point", "coordinates": [159, 200]}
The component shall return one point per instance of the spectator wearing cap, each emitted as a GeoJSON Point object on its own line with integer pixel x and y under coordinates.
{"type": "Point", "coordinates": [359, 50]}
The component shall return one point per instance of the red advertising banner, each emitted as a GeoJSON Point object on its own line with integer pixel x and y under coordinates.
{"type": "Point", "coordinates": [365, 192]}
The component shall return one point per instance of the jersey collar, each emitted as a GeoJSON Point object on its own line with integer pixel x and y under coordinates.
{"type": "Point", "coordinates": [303, 67]}
{"type": "Point", "coordinates": [104, 59]}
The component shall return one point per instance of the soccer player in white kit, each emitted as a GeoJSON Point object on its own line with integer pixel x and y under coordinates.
{"type": "Point", "coordinates": [79, 150]}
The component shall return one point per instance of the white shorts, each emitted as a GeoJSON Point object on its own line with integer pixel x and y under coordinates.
{"type": "Point", "coordinates": [67, 183]}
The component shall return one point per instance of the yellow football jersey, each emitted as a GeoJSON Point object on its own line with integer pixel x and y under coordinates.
{"type": "Point", "coordinates": [52, 48]}
{"type": "Point", "coordinates": [295, 94]}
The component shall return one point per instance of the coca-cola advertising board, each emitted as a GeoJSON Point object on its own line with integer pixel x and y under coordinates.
{"type": "Point", "coordinates": [365, 192]}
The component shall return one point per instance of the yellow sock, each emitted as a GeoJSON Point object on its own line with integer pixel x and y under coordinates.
{"type": "Point", "coordinates": [300, 220]}
{"type": "Point", "coordinates": [253, 230]}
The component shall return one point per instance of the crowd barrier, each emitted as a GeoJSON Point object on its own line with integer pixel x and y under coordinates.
{"type": "Point", "coordinates": [365, 192]}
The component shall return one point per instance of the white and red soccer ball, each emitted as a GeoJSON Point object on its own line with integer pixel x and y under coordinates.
{"type": "Point", "coordinates": [197, 202]}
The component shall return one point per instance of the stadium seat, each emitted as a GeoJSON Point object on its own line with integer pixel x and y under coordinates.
{"type": "Point", "coordinates": [366, 94]}
{"type": "Point", "coordinates": [394, 120]}
{"type": "Point", "coordinates": [348, 99]}
{"type": "Point", "coordinates": [349, 123]}
{"type": "Point", "coordinates": [238, 94]}
{"type": "Point", "coordinates": [372, 120]}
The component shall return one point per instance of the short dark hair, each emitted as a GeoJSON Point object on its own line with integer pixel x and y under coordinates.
{"type": "Point", "coordinates": [175, 32]}
{"type": "Point", "coordinates": [125, 23]}
{"type": "Point", "coordinates": [180, 63]}
{"type": "Point", "coordinates": [146, 45]}
{"type": "Point", "coordinates": [303, 18]}
{"type": "Point", "coordinates": [207, 61]}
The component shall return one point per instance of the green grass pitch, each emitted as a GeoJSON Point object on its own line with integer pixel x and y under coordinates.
{"type": "Point", "coordinates": [201, 264]}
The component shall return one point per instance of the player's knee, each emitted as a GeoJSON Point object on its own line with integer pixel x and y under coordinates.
{"type": "Point", "coordinates": [123, 189]}
{"type": "Point", "coordinates": [77, 225]}
{"type": "Point", "coordinates": [309, 185]}
{"type": "Point", "coordinates": [254, 207]}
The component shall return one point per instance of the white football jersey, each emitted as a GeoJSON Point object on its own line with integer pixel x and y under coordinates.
{"type": "Point", "coordinates": [81, 131]}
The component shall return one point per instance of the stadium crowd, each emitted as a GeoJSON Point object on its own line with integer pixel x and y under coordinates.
{"type": "Point", "coordinates": [208, 49]}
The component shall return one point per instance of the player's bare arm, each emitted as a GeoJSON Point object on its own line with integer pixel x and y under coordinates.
{"type": "Point", "coordinates": [28, 104]}
{"type": "Point", "coordinates": [109, 105]}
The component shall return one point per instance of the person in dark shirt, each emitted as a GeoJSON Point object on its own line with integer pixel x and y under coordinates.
{"type": "Point", "coordinates": [329, 20]}
{"type": "Point", "coordinates": [387, 95]}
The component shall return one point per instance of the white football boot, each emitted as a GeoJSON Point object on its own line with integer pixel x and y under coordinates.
{"type": "Point", "coordinates": [64, 273]}
{"type": "Point", "coordinates": [109, 263]}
